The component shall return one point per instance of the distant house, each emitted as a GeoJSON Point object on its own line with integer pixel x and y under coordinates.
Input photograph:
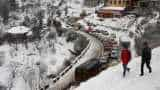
{"type": "Point", "coordinates": [116, 8]}
{"type": "Point", "coordinates": [121, 3]}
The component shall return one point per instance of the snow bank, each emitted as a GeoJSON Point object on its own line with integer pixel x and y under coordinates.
{"type": "Point", "coordinates": [55, 62]}
{"type": "Point", "coordinates": [75, 7]}
{"type": "Point", "coordinates": [112, 78]}
{"type": "Point", "coordinates": [19, 64]}
{"type": "Point", "coordinates": [5, 76]}
{"type": "Point", "coordinates": [20, 84]}
{"type": "Point", "coordinates": [4, 54]}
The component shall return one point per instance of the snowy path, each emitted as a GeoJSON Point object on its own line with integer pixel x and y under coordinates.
{"type": "Point", "coordinates": [94, 49]}
{"type": "Point", "coordinates": [112, 79]}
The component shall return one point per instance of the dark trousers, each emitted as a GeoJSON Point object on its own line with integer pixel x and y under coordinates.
{"type": "Point", "coordinates": [125, 68]}
{"type": "Point", "coordinates": [147, 62]}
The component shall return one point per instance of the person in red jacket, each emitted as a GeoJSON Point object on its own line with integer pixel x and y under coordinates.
{"type": "Point", "coordinates": [125, 58]}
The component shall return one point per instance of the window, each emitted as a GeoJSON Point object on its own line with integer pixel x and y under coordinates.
{"type": "Point", "coordinates": [127, 2]}
{"type": "Point", "coordinates": [119, 2]}
{"type": "Point", "coordinates": [111, 2]}
{"type": "Point", "coordinates": [115, 2]}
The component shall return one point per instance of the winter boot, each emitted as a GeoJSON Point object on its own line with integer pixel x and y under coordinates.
{"type": "Point", "coordinates": [150, 71]}
{"type": "Point", "coordinates": [128, 69]}
{"type": "Point", "coordinates": [141, 74]}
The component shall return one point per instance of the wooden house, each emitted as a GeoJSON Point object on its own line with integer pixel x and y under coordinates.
{"type": "Point", "coordinates": [116, 8]}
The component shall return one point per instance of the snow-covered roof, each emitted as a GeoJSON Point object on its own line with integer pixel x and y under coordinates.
{"type": "Point", "coordinates": [114, 8]}
{"type": "Point", "coordinates": [18, 30]}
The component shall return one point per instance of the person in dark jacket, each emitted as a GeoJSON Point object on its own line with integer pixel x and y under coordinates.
{"type": "Point", "coordinates": [125, 58]}
{"type": "Point", "coordinates": [146, 58]}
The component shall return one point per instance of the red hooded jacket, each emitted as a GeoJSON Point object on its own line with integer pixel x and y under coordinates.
{"type": "Point", "coordinates": [125, 56]}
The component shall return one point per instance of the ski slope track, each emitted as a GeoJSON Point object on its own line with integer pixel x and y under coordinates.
{"type": "Point", "coordinates": [93, 50]}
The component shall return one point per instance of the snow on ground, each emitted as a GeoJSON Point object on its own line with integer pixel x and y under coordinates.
{"type": "Point", "coordinates": [123, 26]}
{"type": "Point", "coordinates": [110, 23]}
{"type": "Point", "coordinates": [21, 84]}
{"type": "Point", "coordinates": [23, 61]}
{"type": "Point", "coordinates": [61, 55]}
{"type": "Point", "coordinates": [93, 50]}
{"type": "Point", "coordinates": [114, 26]}
{"type": "Point", "coordinates": [112, 79]}
{"type": "Point", "coordinates": [120, 27]}
{"type": "Point", "coordinates": [76, 7]}
{"type": "Point", "coordinates": [19, 65]}
{"type": "Point", "coordinates": [6, 76]}
{"type": "Point", "coordinates": [128, 23]}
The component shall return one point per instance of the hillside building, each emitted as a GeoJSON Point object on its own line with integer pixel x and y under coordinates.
{"type": "Point", "coordinates": [116, 8]}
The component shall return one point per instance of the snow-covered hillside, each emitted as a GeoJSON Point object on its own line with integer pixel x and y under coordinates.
{"type": "Point", "coordinates": [26, 69]}
{"type": "Point", "coordinates": [112, 78]}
